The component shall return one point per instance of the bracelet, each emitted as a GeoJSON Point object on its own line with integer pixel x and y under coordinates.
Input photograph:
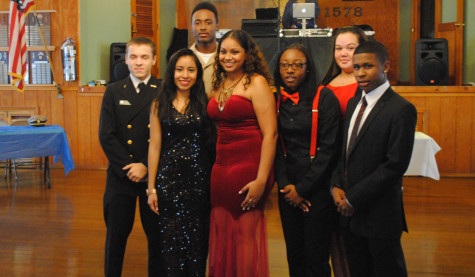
{"type": "Point", "coordinates": [153, 191]}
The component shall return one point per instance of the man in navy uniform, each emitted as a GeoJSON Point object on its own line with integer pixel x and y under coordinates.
{"type": "Point", "coordinates": [124, 135]}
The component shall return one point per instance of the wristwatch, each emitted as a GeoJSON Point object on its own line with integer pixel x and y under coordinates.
{"type": "Point", "coordinates": [153, 191]}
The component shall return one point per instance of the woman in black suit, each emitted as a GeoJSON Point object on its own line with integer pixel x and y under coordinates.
{"type": "Point", "coordinates": [305, 204]}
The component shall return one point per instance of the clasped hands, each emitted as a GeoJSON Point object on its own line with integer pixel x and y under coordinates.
{"type": "Point", "coordinates": [343, 207]}
{"type": "Point", "coordinates": [137, 172]}
{"type": "Point", "coordinates": [294, 199]}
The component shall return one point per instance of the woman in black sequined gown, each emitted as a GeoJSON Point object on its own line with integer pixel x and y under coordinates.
{"type": "Point", "coordinates": [179, 167]}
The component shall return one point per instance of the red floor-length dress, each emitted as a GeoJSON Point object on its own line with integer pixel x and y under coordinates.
{"type": "Point", "coordinates": [237, 238]}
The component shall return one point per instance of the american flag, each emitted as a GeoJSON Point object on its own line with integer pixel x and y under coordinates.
{"type": "Point", "coordinates": [17, 51]}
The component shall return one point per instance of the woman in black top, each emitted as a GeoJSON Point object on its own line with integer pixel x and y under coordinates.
{"type": "Point", "coordinates": [305, 204]}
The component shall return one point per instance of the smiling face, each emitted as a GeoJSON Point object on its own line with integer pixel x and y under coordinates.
{"type": "Point", "coordinates": [231, 55]}
{"type": "Point", "coordinates": [186, 73]}
{"type": "Point", "coordinates": [345, 45]}
{"type": "Point", "coordinates": [369, 72]}
{"type": "Point", "coordinates": [204, 26]}
{"type": "Point", "coordinates": [140, 60]}
{"type": "Point", "coordinates": [291, 77]}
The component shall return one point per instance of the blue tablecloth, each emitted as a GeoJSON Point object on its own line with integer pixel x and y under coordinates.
{"type": "Point", "coordinates": [28, 142]}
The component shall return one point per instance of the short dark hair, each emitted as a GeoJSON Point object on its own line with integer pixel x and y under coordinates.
{"type": "Point", "coordinates": [142, 41]}
{"type": "Point", "coordinates": [206, 6]}
{"type": "Point", "coordinates": [373, 47]}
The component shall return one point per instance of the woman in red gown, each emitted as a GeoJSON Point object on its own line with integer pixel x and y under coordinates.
{"type": "Point", "coordinates": [339, 77]}
{"type": "Point", "coordinates": [243, 108]}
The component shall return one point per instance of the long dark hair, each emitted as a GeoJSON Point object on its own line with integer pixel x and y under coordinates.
{"type": "Point", "coordinates": [334, 70]}
{"type": "Point", "coordinates": [167, 93]}
{"type": "Point", "coordinates": [310, 83]}
{"type": "Point", "coordinates": [254, 63]}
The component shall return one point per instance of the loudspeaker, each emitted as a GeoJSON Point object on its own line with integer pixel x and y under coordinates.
{"type": "Point", "coordinates": [118, 67]}
{"type": "Point", "coordinates": [270, 49]}
{"type": "Point", "coordinates": [261, 27]}
{"type": "Point", "coordinates": [432, 62]}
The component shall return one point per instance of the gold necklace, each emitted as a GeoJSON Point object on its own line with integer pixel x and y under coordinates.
{"type": "Point", "coordinates": [225, 93]}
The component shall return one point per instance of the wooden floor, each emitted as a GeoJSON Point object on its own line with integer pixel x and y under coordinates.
{"type": "Point", "coordinates": [60, 232]}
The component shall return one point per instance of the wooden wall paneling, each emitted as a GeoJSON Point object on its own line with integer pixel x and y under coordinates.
{"type": "Point", "coordinates": [338, 13]}
{"type": "Point", "coordinates": [67, 17]}
{"type": "Point", "coordinates": [98, 159]}
{"type": "Point", "coordinates": [31, 99]}
{"type": "Point", "coordinates": [451, 123]}
{"type": "Point", "coordinates": [84, 135]}
{"type": "Point", "coordinates": [434, 105]}
{"type": "Point", "coordinates": [7, 99]}
{"type": "Point", "coordinates": [472, 166]}
{"type": "Point", "coordinates": [435, 116]}
{"type": "Point", "coordinates": [448, 133]}
{"type": "Point", "coordinates": [57, 109]}
{"type": "Point", "coordinates": [18, 99]}
{"type": "Point", "coordinates": [419, 103]}
{"type": "Point", "coordinates": [415, 34]}
{"type": "Point", "coordinates": [71, 120]}
{"type": "Point", "coordinates": [451, 37]}
{"type": "Point", "coordinates": [44, 104]}
{"type": "Point", "coordinates": [463, 134]}
{"type": "Point", "coordinates": [183, 15]}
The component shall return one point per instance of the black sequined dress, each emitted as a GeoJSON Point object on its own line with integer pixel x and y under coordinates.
{"type": "Point", "coordinates": [183, 195]}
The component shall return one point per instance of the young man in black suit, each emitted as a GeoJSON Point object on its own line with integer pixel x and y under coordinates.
{"type": "Point", "coordinates": [124, 135]}
{"type": "Point", "coordinates": [378, 137]}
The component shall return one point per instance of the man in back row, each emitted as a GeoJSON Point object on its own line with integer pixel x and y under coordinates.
{"type": "Point", "coordinates": [204, 20]}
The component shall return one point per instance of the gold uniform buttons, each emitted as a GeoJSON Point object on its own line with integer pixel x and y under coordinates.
{"type": "Point", "coordinates": [148, 140]}
{"type": "Point", "coordinates": [148, 126]}
{"type": "Point", "coordinates": [129, 141]}
{"type": "Point", "coordinates": [129, 126]}
{"type": "Point", "coordinates": [131, 156]}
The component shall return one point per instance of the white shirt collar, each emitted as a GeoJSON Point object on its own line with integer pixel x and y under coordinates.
{"type": "Point", "coordinates": [136, 81]}
{"type": "Point", "coordinates": [375, 94]}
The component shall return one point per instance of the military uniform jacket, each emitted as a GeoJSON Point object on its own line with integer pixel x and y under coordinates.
{"type": "Point", "coordinates": [124, 131]}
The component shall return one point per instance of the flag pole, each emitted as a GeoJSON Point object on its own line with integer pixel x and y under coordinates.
{"type": "Point", "coordinates": [58, 87]}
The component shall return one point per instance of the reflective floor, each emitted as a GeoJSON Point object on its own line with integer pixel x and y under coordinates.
{"type": "Point", "coordinates": [60, 232]}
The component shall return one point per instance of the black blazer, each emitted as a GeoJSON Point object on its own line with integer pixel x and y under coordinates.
{"type": "Point", "coordinates": [124, 131]}
{"type": "Point", "coordinates": [376, 166]}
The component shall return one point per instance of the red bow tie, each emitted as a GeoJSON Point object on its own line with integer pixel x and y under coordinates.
{"type": "Point", "coordinates": [294, 97]}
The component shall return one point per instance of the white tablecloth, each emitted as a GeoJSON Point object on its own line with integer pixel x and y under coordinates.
{"type": "Point", "coordinates": [423, 161]}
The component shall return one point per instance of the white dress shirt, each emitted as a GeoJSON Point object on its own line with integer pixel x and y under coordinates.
{"type": "Point", "coordinates": [371, 98]}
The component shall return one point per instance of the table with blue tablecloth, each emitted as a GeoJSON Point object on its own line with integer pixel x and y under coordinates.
{"type": "Point", "coordinates": [28, 142]}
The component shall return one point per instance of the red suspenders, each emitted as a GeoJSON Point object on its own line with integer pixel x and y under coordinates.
{"type": "Point", "coordinates": [313, 140]}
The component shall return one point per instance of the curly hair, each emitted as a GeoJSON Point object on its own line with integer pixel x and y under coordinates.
{"type": "Point", "coordinates": [334, 70]}
{"type": "Point", "coordinates": [255, 62]}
